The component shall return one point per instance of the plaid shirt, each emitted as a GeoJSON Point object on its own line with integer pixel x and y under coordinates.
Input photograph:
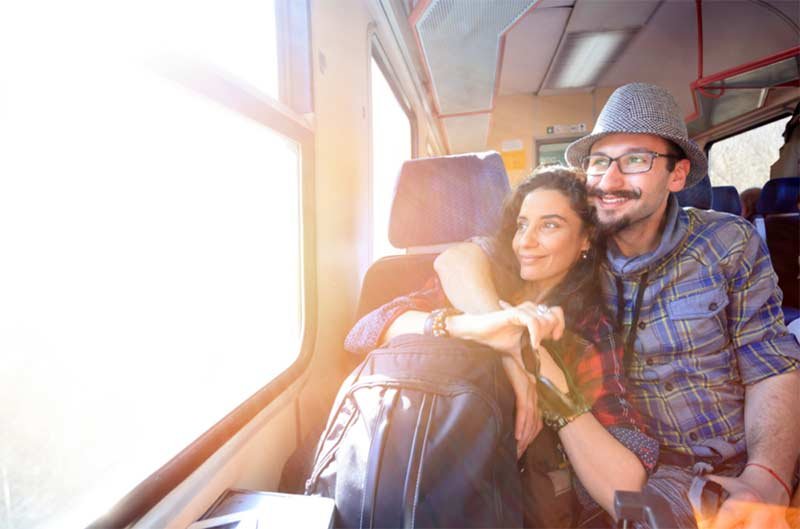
{"type": "Point", "coordinates": [595, 364]}
{"type": "Point", "coordinates": [709, 324]}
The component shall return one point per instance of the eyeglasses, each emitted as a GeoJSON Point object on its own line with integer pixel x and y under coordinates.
{"type": "Point", "coordinates": [628, 163]}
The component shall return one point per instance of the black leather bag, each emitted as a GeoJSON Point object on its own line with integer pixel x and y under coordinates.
{"type": "Point", "coordinates": [422, 435]}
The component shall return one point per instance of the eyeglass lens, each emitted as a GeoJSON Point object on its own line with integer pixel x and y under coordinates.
{"type": "Point", "coordinates": [635, 162]}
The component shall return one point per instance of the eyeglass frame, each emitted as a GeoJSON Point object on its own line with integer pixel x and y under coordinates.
{"type": "Point", "coordinates": [614, 160]}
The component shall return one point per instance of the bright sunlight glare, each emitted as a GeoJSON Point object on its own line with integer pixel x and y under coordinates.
{"type": "Point", "coordinates": [391, 146]}
{"type": "Point", "coordinates": [151, 272]}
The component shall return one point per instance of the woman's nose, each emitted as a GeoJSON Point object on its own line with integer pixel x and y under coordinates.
{"type": "Point", "coordinates": [530, 239]}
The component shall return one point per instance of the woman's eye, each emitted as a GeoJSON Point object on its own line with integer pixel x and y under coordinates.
{"type": "Point", "coordinates": [636, 158]}
{"type": "Point", "coordinates": [521, 226]}
{"type": "Point", "coordinates": [550, 225]}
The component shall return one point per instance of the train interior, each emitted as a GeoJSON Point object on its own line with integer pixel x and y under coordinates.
{"type": "Point", "coordinates": [373, 96]}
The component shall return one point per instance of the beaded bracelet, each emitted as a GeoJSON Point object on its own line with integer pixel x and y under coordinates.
{"type": "Point", "coordinates": [774, 475]}
{"type": "Point", "coordinates": [436, 322]}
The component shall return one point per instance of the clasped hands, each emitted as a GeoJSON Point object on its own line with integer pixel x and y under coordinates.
{"type": "Point", "coordinates": [503, 331]}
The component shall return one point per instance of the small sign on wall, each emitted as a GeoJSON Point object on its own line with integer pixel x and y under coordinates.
{"type": "Point", "coordinates": [513, 155]}
{"type": "Point", "coordinates": [575, 128]}
{"type": "Point", "coordinates": [513, 160]}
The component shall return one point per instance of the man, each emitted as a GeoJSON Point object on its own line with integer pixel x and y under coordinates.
{"type": "Point", "coordinates": [710, 365]}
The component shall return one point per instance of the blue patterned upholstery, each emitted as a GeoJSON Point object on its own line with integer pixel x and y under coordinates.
{"type": "Point", "coordinates": [447, 199]}
{"type": "Point", "coordinates": [697, 196]}
{"type": "Point", "coordinates": [778, 220]}
{"type": "Point", "coordinates": [779, 196]}
{"type": "Point", "coordinates": [437, 200]}
{"type": "Point", "coordinates": [726, 198]}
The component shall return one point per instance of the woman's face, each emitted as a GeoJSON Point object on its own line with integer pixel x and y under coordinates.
{"type": "Point", "coordinates": [549, 238]}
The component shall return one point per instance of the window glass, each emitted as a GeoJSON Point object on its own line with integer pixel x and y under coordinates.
{"type": "Point", "coordinates": [238, 37]}
{"type": "Point", "coordinates": [151, 271]}
{"type": "Point", "coordinates": [552, 153]}
{"type": "Point", "coordinates": [391, 146]}
{"type": "Point", "coordinates": [744, 160]}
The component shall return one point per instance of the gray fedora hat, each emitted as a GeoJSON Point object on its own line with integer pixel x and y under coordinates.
{"type": "Point", "coordinates": [640, 108]}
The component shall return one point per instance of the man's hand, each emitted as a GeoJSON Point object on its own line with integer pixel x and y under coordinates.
{"type": "Point", "coordinates": [745, 508]}
{"type": "Point", "coordinates": [528, 422]}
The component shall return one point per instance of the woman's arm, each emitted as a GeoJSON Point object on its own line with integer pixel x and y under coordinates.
{"type": "Point", "coordinates": [466, 275]}
{"type": "Point", "coordinates": [601, 462]}
{"type": "Point", "coordinates": [372, 330]}
{"type": "Point", "coordinates": [607, 448]}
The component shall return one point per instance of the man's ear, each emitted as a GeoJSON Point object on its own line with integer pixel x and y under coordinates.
{"type": "Point", "coordinates": [677, 178]}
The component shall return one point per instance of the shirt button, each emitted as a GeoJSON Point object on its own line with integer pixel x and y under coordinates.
{"type": "Point", "coordinates": [649, 361]}
{"type": "Point", "coordinates": [642, 325]}
{"type": "Point", "coordinates": [668, 386]}
{"type": "Point", "coordinates": [693, 436]}
{"type": "Point", "coordinates": [713, 305]}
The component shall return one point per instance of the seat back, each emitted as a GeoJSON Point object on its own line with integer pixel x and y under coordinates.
{"type": "Point", "coordinates": [437, 201]}
{"type": "Point", "coordinates": [726, 198]}
{"type": "Point", "coordinates": [697, 196]}
{"type": "Point", "coordinates": [778, 221]}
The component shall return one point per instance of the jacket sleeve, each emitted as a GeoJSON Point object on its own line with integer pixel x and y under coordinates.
{"type": "Point", "coordinates": [368, 332]}
{"type": "Point", "coordinates": [762, 344]}
{"type": "Point", "coordinates": [599, 375]}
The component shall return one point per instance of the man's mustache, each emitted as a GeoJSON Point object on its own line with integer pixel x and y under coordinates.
{"type": "Point", "coordinates": [622, 193]}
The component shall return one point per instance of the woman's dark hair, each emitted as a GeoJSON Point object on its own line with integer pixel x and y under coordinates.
{"type": "Point", "coordinates": [579, 288]}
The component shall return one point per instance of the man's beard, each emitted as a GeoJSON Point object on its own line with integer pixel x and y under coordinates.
{"type": "Point", "coordinates": [615, 226]}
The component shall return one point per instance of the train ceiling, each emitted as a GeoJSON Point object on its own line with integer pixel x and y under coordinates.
{"type": "Point", "coordinates": [474, 50]}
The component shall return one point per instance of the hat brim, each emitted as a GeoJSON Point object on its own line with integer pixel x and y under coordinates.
{"type": "Point", "coordinates": [699, 164]}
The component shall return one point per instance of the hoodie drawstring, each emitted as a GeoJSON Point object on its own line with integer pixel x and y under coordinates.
{"type": "Point", "coordinates": [637, 307]}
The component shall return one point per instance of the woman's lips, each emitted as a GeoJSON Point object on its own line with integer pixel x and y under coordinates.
{"type": "Point", "coordinates": [530, 259]}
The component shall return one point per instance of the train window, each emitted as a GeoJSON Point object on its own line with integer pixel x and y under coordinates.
{"type": "Point", "coordinates": [392, 144]}
{"type": "Point", "coordinates": [550, 153]}
{"type": "Point", "coordinates": [744, 160]}
{"type": "Point", "coordinates": [152, 241]}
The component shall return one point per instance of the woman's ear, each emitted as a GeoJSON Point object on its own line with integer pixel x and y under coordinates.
{"type": "Point", "coordinates": [588, 236]}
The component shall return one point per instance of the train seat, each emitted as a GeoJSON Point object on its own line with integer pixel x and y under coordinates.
{"type": "Point", "coordinates": [778, 221]}
{"type": "Point", "coordinates": [726, 198]}
{"type": "Point", "coordinates": [437, 201]}
{"type": "Point", "coordinates": [698, 196]}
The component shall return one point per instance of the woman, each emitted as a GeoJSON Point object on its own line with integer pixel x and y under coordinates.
{"type": "Point", "coordinates": [549, 279]}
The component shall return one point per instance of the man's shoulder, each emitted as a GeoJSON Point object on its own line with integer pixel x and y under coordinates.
{"type": "Point", "coordinates": [715, 231]}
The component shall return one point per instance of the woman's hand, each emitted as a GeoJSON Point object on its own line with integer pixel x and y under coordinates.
{"type": "Point", "coordinates": [541, 321]}
{"type": "Point", "coordinates": [528, 422]}
{"type": "Point", "coordinates": [502, 329]}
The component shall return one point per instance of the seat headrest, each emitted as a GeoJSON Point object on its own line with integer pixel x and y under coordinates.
{"type": "Point", "coordinates": [697, 196]}
{"type": "Point", "coordinates": [447, 199]}
{"type": "Point", "coordinates": [726, 198]}
{"type": "Point", "coordinates": [779, 195]}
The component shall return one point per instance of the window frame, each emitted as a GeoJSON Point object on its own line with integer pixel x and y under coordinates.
{"type": "Point", "coordinates": [377, 54]}
{"type": "Point", "coordinates": [782, 115]}
{"type": "Point", "coordinates": [283, 118]}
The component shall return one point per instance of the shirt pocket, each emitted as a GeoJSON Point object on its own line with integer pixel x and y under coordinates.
{"type": "Point", "coordinates": [698, 321]}
{"type": "Point", "coordinates": [700, 306]}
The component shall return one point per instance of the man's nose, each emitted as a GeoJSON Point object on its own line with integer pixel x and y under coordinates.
{"type": "Point", "coordinates": [612, 179]}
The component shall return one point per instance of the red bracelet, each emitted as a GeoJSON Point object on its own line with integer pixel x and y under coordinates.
{"type": "Point", "coordinates": [774, 475]}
